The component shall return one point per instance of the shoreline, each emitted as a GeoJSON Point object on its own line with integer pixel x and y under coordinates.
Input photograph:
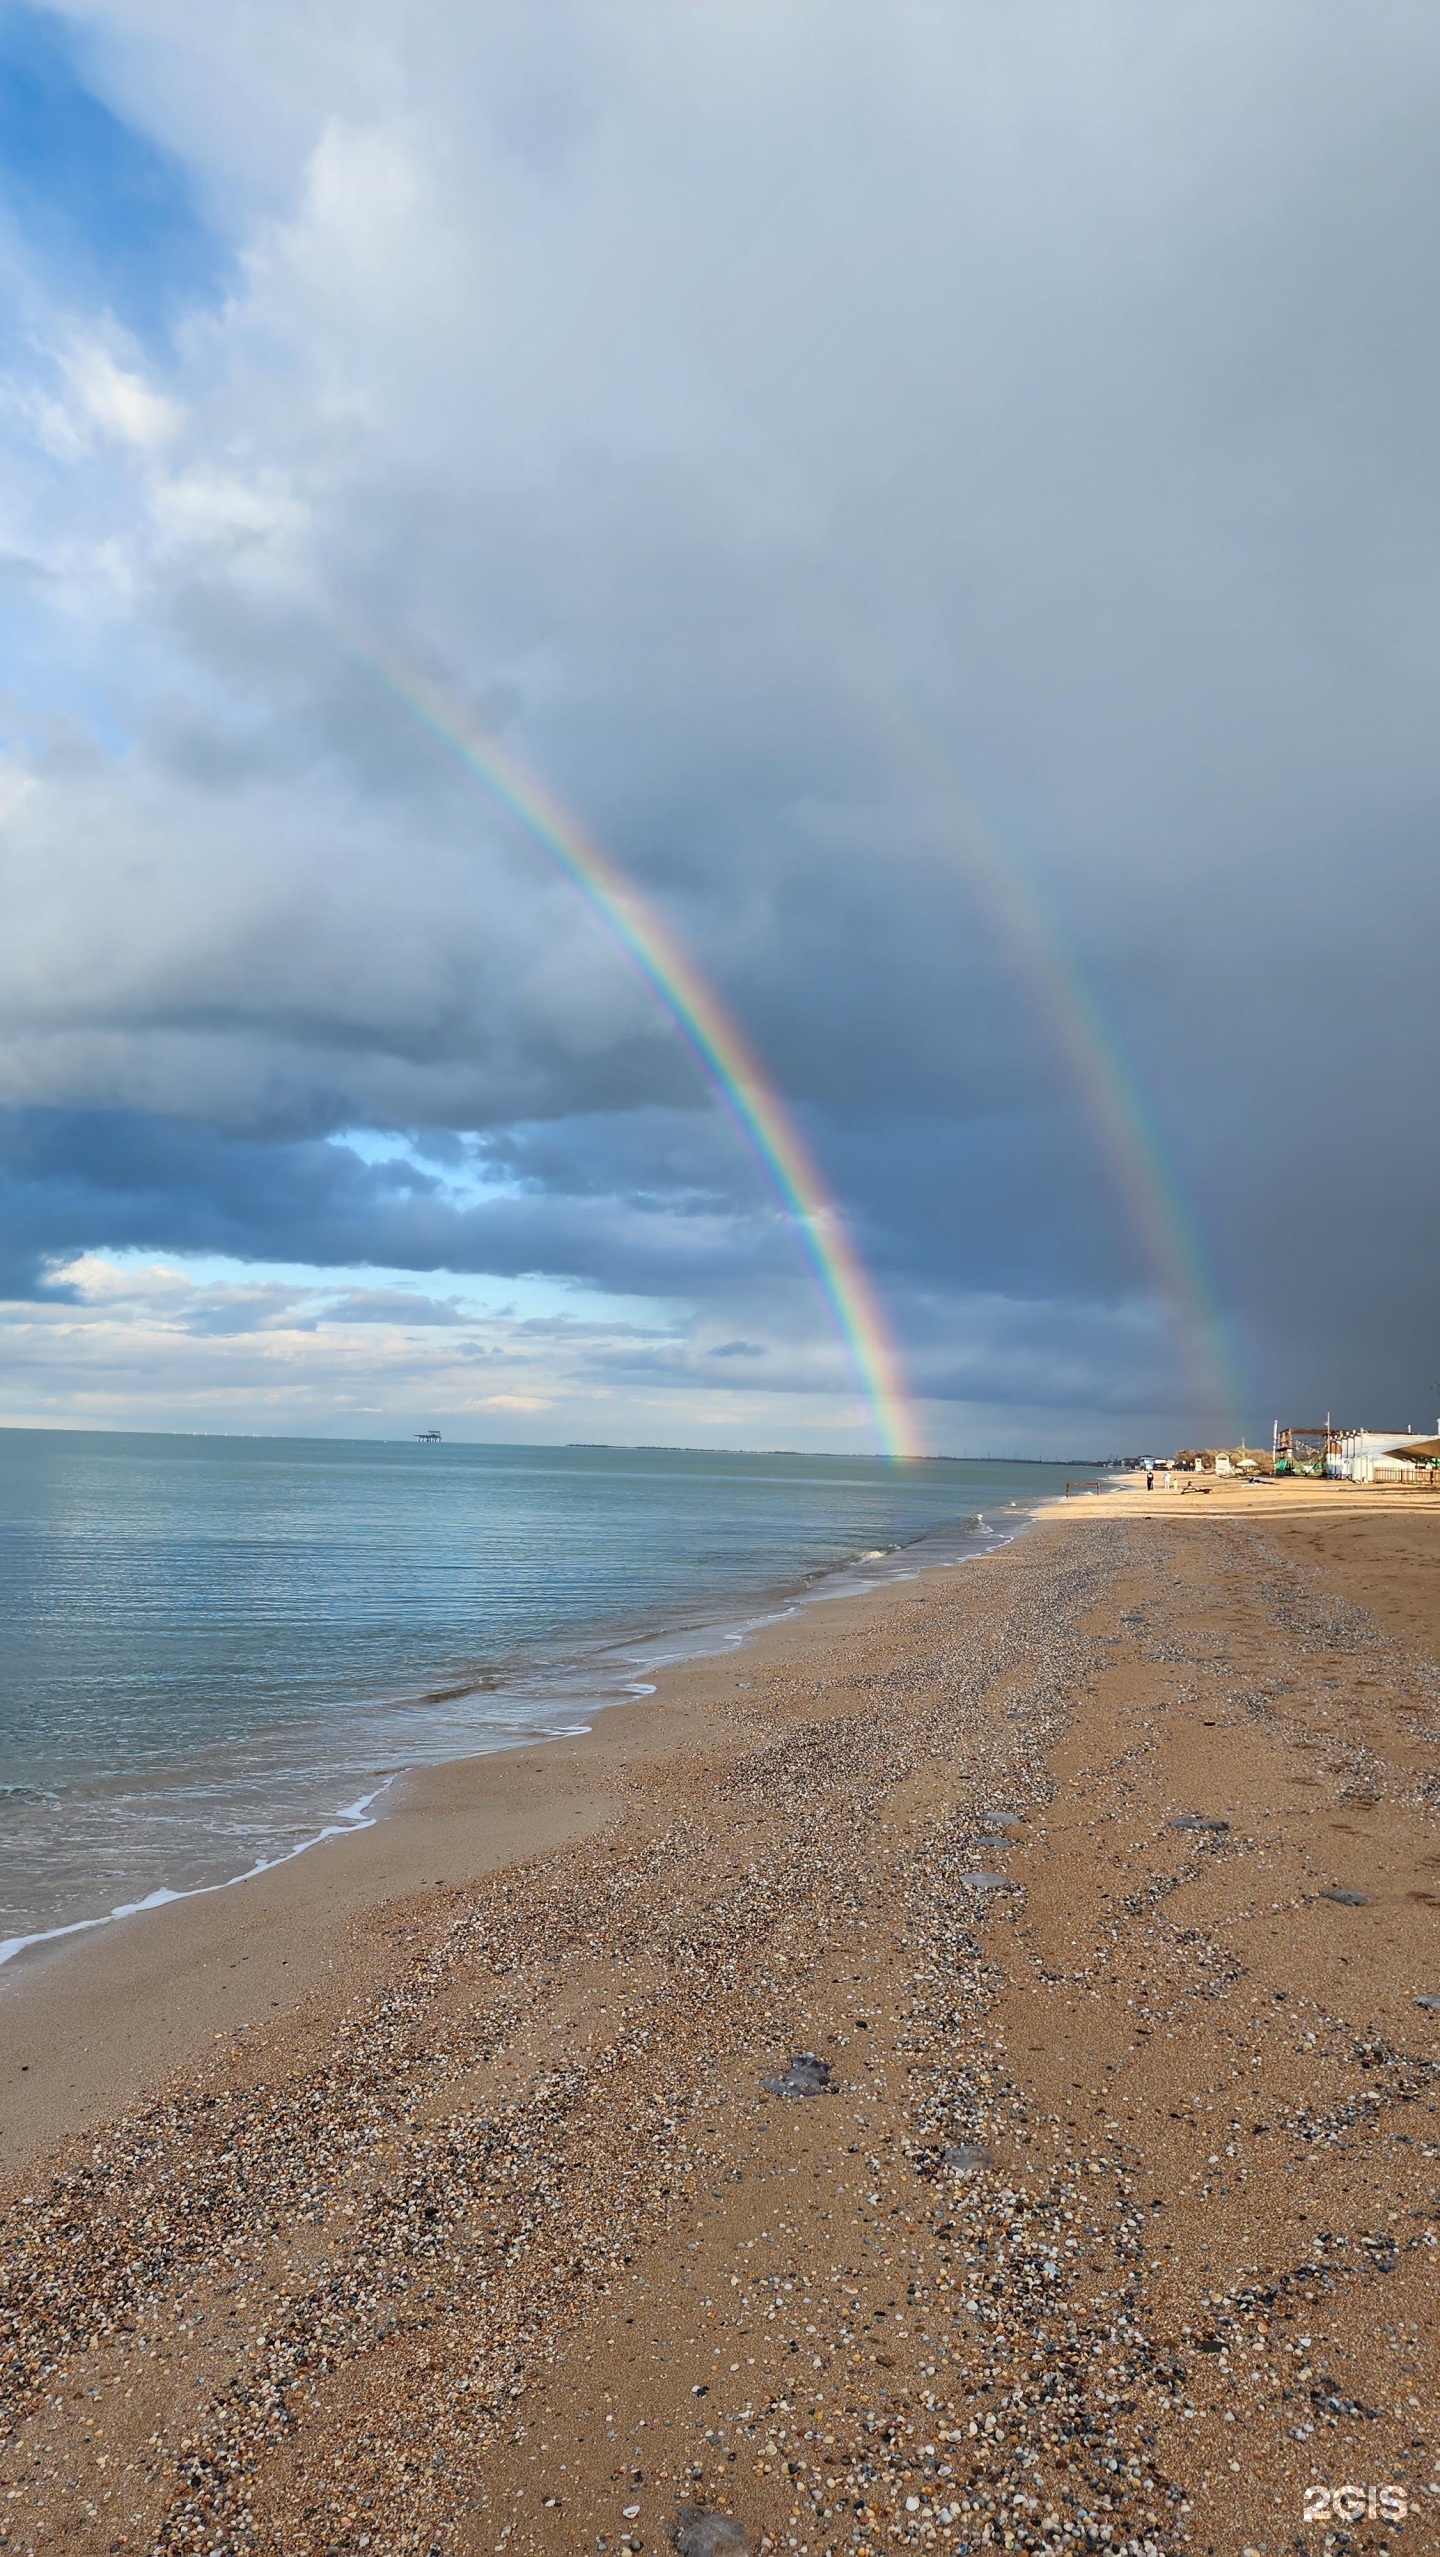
{"type": "Point", "coordinates": [201, 1728]}
{"type": "Point", "coordinates": [449, 1822]}
{"type": "Point", "coordinates": [638, 1660]}
{"type": "Point", "coordinates": [1103, 1881]}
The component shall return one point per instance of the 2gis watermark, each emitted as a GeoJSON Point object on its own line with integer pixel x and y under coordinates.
{"type": "Point", "coordinates": [1357, 2503]}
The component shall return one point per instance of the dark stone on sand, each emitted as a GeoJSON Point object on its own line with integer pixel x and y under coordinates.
{"type": "Point", "coordinates": [701, 2534]}
{"type": "Point", "coordinates": [1197, 1820]}
{"type": "Point", "coordinates": [802, 2074]}
{"type": "Point", "coordinates": [1347, 1899]}
{"type": "Point", "coordinates": [1432, 2003]}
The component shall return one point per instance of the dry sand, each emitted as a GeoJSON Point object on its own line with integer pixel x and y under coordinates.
{"type": "Point", "coordinates": [1116, 2228]}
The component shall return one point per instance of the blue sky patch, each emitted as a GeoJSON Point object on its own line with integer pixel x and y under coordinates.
{"type": "Point", "coordinates": [110, 217]}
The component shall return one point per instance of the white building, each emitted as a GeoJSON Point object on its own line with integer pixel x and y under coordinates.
{"type": "Point", "coordinates": [1363, 1456]}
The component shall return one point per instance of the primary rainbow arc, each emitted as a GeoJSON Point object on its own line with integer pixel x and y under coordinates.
{"type": "Point", "coordinates": [721, 1047]}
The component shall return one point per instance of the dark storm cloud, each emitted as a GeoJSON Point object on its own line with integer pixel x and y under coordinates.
{"type": "Point", "coordinates": [688, 404]}
{"type": "Point", "coordinates": [70, 1181]}
{"type": "Point", "coordinates": [73, 1180]}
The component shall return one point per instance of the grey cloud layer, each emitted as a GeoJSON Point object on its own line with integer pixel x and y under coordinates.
{"type": "Point", "coordinates": [686, 391]}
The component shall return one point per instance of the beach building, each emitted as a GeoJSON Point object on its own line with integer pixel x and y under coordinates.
{"type": "Point", "coordinates": [1369, 1456]}
{"type": "Point", "coordinates": [1424, 1455]}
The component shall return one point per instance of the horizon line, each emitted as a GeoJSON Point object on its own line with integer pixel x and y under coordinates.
{"type": "Point", "coordinates": [539, 1446]}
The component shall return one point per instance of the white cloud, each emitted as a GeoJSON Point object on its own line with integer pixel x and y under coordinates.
{"type": "Point", "coordinates": [208, 507]}
{"type": "Point", "coordinates": [152, 1344]}
{"type": "Point", "coordinates": [115, 399]}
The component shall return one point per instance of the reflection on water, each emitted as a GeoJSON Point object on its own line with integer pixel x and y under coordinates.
{"type": "Point", "coordinates": [212, 1645]}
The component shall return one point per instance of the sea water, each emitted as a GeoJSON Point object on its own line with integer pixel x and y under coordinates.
{"type": "Point", "coordinates": [216, 1650]}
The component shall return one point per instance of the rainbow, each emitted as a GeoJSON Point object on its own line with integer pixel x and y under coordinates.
{"type": "Point", "coordinates": [1037, 944]}
{"type": "Point", "coordinates": [707, 1028]}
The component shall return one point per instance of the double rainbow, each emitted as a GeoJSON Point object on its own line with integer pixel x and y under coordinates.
{"type": "Point", "coordinates": [723, 1052]}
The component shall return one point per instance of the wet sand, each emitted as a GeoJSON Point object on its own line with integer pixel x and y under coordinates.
{"type": "Point", "coordinates": [90, 2021]}
{"type": "Point", "coordinates": [1116, 2228]}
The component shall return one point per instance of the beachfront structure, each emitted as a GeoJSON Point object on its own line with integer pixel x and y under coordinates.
{"type": "Point", "coordinates": [1369, 1456]}
{"type": "Point", "coordinates": [1424, 1455]}
{"type": "Point", "coordinates": [1221, 1460]}
{"type": "Point", "coordinates": [1297, 1448]}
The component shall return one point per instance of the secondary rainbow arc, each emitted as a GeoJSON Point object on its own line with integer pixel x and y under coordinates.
{"type": "Point", "coordinates": [1065, 1001]}
{"type": "Point", "coordinates": [724, 1053]}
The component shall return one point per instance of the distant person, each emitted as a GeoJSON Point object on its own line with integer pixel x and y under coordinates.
{"type": "Point", "coordinates": [1149, 1475]}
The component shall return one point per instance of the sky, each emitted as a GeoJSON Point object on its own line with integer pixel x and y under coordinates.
{"type": "Point", "coordinates": [944, 496]}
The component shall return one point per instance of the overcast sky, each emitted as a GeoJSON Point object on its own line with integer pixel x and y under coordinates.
{"type": "Point", "coordinates": [947, 494]}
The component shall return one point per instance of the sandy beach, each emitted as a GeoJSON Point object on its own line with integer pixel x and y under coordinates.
{"type": "Point", "coordinates": [450, 2189]}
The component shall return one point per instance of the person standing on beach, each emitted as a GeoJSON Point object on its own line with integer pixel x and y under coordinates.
{"type": "Point", "coordinates": [1149, 1474]}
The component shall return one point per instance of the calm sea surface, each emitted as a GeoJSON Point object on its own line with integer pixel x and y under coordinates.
{"type": "Point", "coordinates": [216, 1649]}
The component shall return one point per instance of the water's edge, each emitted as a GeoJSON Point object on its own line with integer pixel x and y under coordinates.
{"type": "Point", "coordinates": [632, 1660]}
